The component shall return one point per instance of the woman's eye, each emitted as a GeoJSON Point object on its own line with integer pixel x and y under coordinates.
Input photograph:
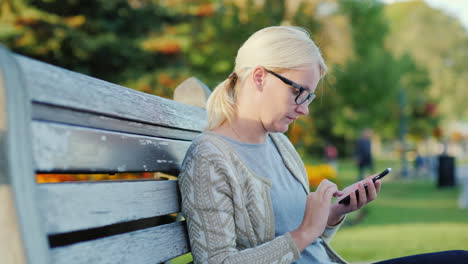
{"type": "Point", "coordinates": [296, 91]}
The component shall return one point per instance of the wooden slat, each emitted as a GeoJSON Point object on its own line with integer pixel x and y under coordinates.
{"type": "Point", "coordinates": [56, 86]}
{"type": "Point", "coordinates": [16, 170]}
{"type": "Point", "coordinates": [152, 245]}
{"type": "Point", "coordinates": [43, 112]}
{"type": "Point", "coordinates": [64, 148]}
{"type": "Point", "coordinates": [67, 207]}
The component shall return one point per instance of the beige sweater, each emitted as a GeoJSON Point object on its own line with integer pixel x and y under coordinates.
{"type": "Point", "coordinates": [228, 208]}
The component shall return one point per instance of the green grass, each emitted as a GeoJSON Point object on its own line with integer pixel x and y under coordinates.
{"type": "Point", "coordinates": [187, 258]}
{"type": "Point", "coordinates": [380, 242]}
{"type": "Point", "coordinates": [409, 217]}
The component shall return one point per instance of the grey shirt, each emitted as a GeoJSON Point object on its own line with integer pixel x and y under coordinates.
{"type": "Point", "coordinates": [287, 194]}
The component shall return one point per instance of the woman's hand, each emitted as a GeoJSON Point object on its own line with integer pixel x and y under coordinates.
{"type": "Point", "coordinates": [338, 211]}
{"type": "Point", "coordinates": [316, 214]}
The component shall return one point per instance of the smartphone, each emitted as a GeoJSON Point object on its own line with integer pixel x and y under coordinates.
{"type": "Point", "coordinates": [347, 199]}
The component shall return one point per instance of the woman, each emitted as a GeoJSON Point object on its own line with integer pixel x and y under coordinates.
{"type": "Point", "coordinates": [245, 192]}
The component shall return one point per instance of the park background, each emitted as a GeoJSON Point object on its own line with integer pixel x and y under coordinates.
{"type": "Point", "coordinates": [399, 68]}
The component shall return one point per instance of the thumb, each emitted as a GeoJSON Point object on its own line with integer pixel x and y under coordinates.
{"type": "Point", "coordinates": [338, 194]}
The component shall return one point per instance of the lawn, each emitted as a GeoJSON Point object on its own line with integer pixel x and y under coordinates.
{"type": "Point", "coordinates": [409, 217]}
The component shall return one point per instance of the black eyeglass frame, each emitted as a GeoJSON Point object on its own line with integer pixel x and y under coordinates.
{"type": "Point", "coordinates": [310, 97]}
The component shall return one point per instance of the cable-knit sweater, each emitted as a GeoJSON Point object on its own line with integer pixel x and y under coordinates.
{"type": "Point", "coordinates": [228, 208]}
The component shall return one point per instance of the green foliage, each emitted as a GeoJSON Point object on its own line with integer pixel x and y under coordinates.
{"type": "Point", "coordinates": [217, 38]}
{"type": "Point", "coordinates": [369, 81]}
{"type": "Point", "coordinates": [370, 84]}
{"type": "Point", "coordinates": [110, 40]}
{"type": "Point", "coordinates": [440, 43]}
{"type": "Point", "coordinates": [152, 46]}
{"type": "Point", "coordinates": [363, 13]}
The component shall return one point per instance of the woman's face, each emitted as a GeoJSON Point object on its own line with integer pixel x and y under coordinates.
{"type": "Point", "coordinates": [278, 107]}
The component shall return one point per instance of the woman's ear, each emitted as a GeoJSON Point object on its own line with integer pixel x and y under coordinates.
{"type": "Point", "coordinates": [258, 75]}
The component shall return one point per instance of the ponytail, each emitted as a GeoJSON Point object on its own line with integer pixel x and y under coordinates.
{"type": "Point", "coordinates": [221, 103]}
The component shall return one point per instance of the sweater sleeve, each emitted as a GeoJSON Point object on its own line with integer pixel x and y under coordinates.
{"type": "Point", "coordinates": [330, 231]}
{"type": "Point", "coordinates": [208, 206]}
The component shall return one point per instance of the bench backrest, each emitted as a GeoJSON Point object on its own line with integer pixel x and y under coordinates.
{"type": "Point", "coordinates": [57, 121]}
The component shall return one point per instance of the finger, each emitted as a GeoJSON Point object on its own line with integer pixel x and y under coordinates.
{"type": "Point", "coordinates": [378, 185]}
{"type": "Point", "coordinates": [327, 191]}
{"type": "Point", "coordinates": [362, 196]}
{"type": "Point", "coordinates": [353, 200]}
{"type": "Point", "coordinates": [324, 186]}
{"type": "Point", "coordinates": [328, 195]}
{"type": "Point", "coordinates": [338, 194]}
{"type": "Point", "coordinates": [371, 191]}
{"type": "Point", "coordinates": [371, 177]}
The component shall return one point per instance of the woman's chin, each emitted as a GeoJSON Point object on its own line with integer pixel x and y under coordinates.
{"type": "Point", "coordinates": [282, 128]}
{"type": "Point", "coordinates": [278, 127]}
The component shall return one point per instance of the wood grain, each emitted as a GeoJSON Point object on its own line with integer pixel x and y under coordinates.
{"type": "Point", "coordinates": [152, 245]}
{"type": "Point", "coordinates": [67, 207]}
{"type": "Point", "coordinates": [65, 148]}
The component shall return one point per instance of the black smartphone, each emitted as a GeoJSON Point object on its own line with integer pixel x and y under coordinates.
{"type": "Point", "coordinates": [347, 199]}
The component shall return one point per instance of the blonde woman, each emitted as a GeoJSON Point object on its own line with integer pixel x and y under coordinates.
{"type": "Point", "coordinates": [245, 192]}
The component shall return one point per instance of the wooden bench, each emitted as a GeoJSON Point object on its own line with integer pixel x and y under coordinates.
{"type": "Point", "coordinates": [57, 121]}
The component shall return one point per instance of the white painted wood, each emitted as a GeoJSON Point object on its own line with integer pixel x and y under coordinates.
{"type": "Point", "coordinates": [87, 125]}
{"type": "Point", "coordinates": [64, 148]}
{"type": "Point", "coordinates": [193, 92]}
{"type": "Point", "coordinates": [44, 112]}
{"type": "Point", "coordinates": [56, 86]}
{"type": "Point", "coordinates": [67, 207]}
{"type": "Point", "coordinates": [152, 245]}
{"type": "Point", "coordinates": [16, 164]}
{"type": "Point", "coordinates": [11, 252]}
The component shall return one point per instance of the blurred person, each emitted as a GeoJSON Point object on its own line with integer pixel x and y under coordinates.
{"type": "Point", "coordinates": [331, 155]}
{"type": "Point", "coordinates": [419, 165]}
{"type": "Point", "coordinates": [363, 153]}
{"type": "Point", "coordinates": [245, 192]}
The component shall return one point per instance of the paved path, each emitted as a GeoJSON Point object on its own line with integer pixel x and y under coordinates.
{"type": "Point", "coordinates": [462, 179]}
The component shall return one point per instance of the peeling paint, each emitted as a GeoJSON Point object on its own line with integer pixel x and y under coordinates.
{"type": "Point", "coordinates": [56, 144]}
{"type": "Point", "coordinates": [121, 168]}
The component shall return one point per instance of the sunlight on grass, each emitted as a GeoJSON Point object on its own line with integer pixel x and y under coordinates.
{"type": "Point", "coordinates": [392, 241]}
{"type": "Point", "coordinates": [409, 217]}
{"type": "Point", "coordinates": [184, 259]}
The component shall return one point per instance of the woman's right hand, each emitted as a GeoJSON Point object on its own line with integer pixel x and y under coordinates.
{"type": "Point", "coordinates": [316, 214]}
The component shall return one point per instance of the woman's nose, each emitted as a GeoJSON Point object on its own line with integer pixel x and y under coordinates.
{"type": "Point", "coordinates": [303, 109]}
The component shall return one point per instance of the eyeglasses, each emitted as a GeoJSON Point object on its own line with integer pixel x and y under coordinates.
{"type": "Point", "coordinates": [302, 94]}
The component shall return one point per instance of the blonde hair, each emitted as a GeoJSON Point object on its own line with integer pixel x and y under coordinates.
{"type": "Point", "coordinates": [277, 47]}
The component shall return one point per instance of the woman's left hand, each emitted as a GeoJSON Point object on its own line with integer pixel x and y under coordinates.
{"type": "Point", "coordinates": [338, 211]}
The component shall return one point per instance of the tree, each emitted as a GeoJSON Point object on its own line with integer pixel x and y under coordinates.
{"type": "Point", "coordinates": [438, 41]}
{"type": "Point", "coordinates": [216, 39]}
{"type": "Point", "coordinates": [369, 81]}
{"type": "Point", "coordinates": [367, 87]}
{"type": "Point", "coordinates": [137, 43]}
